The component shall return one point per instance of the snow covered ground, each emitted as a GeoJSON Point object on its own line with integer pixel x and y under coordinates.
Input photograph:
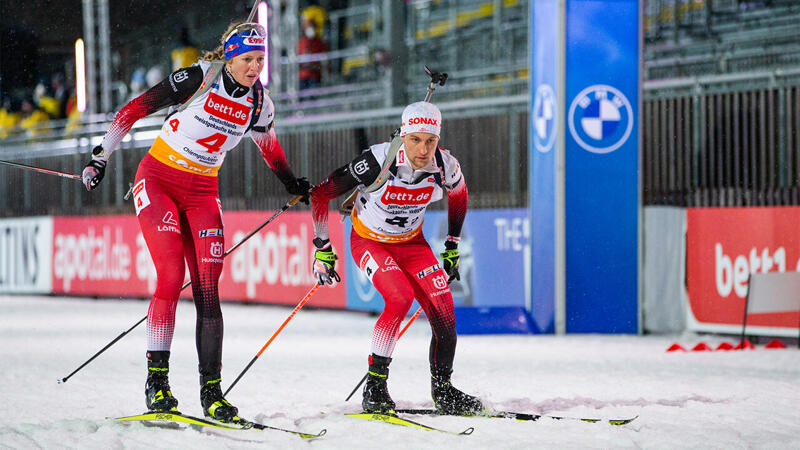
{"type": "Point", "coordinates": [691, 400]}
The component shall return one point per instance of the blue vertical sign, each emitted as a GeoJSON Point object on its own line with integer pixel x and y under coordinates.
{"type": "Point", "coordinates": [545, 117]}
{"type": "Point", "coordinates": [601, 166]}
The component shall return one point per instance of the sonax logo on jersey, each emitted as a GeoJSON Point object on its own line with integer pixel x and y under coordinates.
{"type": "Point", "coordinates": [223, 108]}
{"type": "Point", "coordinates": [397, 195]}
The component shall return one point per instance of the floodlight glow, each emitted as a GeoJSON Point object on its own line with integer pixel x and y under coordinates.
{"type": "Point", "coordinates": [263, 20]}
{"type": "Point", "coordinates": [80, 75]}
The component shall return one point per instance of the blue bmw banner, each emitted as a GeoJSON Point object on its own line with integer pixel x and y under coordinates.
{"type": "Point", "coordinates": [584, 164]}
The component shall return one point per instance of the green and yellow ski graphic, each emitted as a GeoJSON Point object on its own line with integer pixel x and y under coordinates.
{"type": "Point", "coordinates": [241, 424]}
{"type": "Point", "coordinates": [395, 420]}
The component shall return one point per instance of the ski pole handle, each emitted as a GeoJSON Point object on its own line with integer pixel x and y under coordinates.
{"type": "Point", "coordinates": [436, 78]}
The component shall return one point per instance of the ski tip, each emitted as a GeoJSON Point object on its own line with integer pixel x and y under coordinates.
{"type": "Point", "coordinates": [313, 436]}
{"type": "Point", "coordinates": [467, 432]}
{"type": "Point", "coordinates": [623, 421]}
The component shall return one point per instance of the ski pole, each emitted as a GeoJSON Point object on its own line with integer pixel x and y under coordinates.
{"type": "Point", "coordinates": [294, 311]}
{"type": "Point", "coordinates": [410, 321]}
{"type": "Point", "coordinates": [41, 170]}
{"type": "Point", "coordinates": [288, 205]}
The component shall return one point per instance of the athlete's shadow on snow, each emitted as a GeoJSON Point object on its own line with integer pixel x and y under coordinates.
{"type": "Point", "coordinates": [563, 404]}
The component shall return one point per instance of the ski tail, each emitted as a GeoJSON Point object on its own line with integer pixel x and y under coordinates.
{"type": "Point", "coordinates": [395, 420]}
{"type": "Point", "coordinates": [521, 416]}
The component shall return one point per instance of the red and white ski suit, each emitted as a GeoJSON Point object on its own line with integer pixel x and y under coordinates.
{"type": "Point", "coordinates": [387, 241]}
{"type": "Point", "coordinates": [176, 195]}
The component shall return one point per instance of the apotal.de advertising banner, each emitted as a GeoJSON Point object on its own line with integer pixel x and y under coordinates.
{"type": "Point", "coordinates": [107, 256]}
{"type": "Point", "coordinates": [725, 245]}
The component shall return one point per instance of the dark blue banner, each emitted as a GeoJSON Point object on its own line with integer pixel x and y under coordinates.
{"type": "Point", "coordinates": [601, 164]}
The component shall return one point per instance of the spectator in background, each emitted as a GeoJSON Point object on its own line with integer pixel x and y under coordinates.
{"type": "Point", "coordinates": [313, 20]}
{"type": "Point", "coordinates": [185, 53]}
{"type": "Point", "coordinates": [10, 116]}
{"type": "Point", "coordinates": [73, 114]}
{"type": "Point", "coordinates": [44, 100]}
{"type": "Point", "coordinates": [60, 92]}
{"type": "Point", "coordinates": [32, 117]}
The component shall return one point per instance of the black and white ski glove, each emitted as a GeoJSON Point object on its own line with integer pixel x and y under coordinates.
{"type": "Point", "coordinates": [325, 262]}
{"type": "Point", "coordinates": [299, 186]}
{"type": "Point", "coordinates": [94, 172]}
{"type": "Point", "coordinates": [450, 260]}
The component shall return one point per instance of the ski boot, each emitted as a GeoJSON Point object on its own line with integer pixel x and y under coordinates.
{"type": "Point", "coordinates": [449, 400]}
{"type": "Point", "coordinates": [376, 393]}
{"type": "Point", "coordinates": [158, 396]}
{"type": "Point", "coordinates": [214, 404]}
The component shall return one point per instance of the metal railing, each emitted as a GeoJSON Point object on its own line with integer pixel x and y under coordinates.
{"type": "Point", "coordinates": [723, 140]}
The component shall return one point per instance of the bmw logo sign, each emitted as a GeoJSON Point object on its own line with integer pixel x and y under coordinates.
{"type": "Point", "coordinates": [543, 119]}
{"type": "Point", "coordinates": [600, 119]}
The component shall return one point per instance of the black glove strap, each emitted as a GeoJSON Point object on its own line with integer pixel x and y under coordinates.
{"type": "Point", "coordinates": [321, 243]}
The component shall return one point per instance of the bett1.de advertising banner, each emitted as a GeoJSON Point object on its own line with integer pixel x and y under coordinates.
{"type": "Point", "coordinates": [107, 256]}
{"type": "Point", "coordinates": [725, 245]}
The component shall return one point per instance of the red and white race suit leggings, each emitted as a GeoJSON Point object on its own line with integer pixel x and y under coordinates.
{"type": "Point", "coordinates": [402, 272]}
{"type": "Point", "coordinates": [181, 219]}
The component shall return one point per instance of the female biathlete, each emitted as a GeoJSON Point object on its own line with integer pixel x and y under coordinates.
{"type": "Point", "coordinates": [177, 199]}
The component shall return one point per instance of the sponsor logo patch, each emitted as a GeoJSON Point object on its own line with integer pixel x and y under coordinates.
{"type": "Point", "coordinates": [211, 232]}
{"type": "Point", "coordinates": [396, 195]}
{"type": "Point", "coordinates": [253, 40]}
{"type": "Point", "coordinates": [428, 270]}
{"type": "Point", "coordinates": [171, 223]}
{"type": "Point", "coordinates": [181, 76]}
{"type": "Point", "coordinates": [221, 107]}
{"type": "Point", "coordinates": [361, 167]}
{"type": "Point", "coordinates": [169, 219]}
{"type": "Point", "coordinates": [419, 120]}
{"type": "Point", "coordinates": [440, 282]}
{"type": "Point", "coordinates": [216, 249]}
